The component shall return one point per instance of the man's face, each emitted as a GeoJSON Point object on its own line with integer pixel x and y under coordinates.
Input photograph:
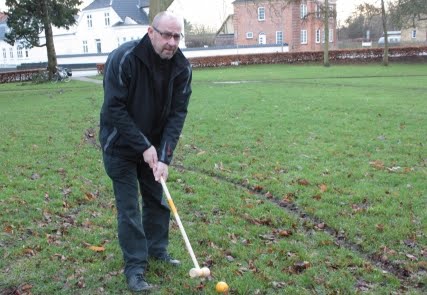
{"type": "Point", "coordinates": [165, 37]}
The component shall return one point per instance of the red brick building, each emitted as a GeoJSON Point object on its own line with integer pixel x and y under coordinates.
{"type": "Point", "coordinates": [299, 24]}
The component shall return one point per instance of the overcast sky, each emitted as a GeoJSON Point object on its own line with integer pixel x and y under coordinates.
{"type": "Point", "coordinates": [213, 12]}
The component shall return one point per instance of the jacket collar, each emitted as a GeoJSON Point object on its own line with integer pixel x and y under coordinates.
{"type": "Point", "coordinates": [145, 49]}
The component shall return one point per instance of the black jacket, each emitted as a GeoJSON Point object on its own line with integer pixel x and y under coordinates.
{"type": "Point", "coordinates": [126, 120]}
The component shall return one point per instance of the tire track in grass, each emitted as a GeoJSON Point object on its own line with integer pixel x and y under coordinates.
{"type": "Point", "coordinates": [394, 268]}
{"type": "Point", "coordinates": [311, 80]}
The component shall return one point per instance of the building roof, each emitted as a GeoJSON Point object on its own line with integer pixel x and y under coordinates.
{"type": "Point", "coordinates": [3, 17]}
{"type": "Point", "coordinates": [133, 9]}
{"type": "Point", "coordinates": [3, 25]}
{"type": "Point", "coordinates": [223, 28]}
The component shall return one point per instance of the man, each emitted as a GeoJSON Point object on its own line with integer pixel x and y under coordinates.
{"type": "Point", "coordinates": [147, 86]}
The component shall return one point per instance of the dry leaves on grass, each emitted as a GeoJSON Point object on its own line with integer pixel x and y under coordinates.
{"type": "Point", "coordinates": [24, 289]}
{"type": "Point", "coordinates": [299, 267]}
{"type": "Point", "coordinates": [94, 248]}
{"type": "Point", "coordinates": [303, 182]}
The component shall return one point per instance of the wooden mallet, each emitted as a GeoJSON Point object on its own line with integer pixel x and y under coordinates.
{"type": "Point", "coordinates": [196, 271]}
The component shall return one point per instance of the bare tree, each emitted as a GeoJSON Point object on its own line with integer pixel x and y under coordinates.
{"type": "Point", "coordinates": [408, 13]}
{"type": "Point", "coordinates": [326, 24]}
{"type": "Point", "coordinates": [384, 17]}
{"type": "Point", "coordinates": [324, 12]}
{"type": "Point", "coordinates": [369, 12]}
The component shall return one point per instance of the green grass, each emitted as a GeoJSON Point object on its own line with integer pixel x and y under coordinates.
{"type": "Point", "coordinates": [344, 146]}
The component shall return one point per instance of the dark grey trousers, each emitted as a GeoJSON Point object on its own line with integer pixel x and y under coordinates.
{"type": "Point", "coordinates": [140, 236]}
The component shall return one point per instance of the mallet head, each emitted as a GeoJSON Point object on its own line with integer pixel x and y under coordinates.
{"type": "Point", "coordinates": [200, 272]}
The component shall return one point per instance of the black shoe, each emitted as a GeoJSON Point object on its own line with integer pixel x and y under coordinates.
{"type": "Point", "coordinates": [168, 259]}
{"type": "Point", "coordinates": [137, 283]}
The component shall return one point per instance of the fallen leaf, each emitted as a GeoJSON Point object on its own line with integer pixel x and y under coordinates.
{"type": "Point", "coordinates": [301, 266]}
{"type": "Point", "coordinates": [303, 182]}
{"type": "Point", "coordinates": [363, 286]}
{"type": "Point", "coordinates": [284, 233]}
{"type": "Point", "coordinates": [90, 196]}
{"type": "Point", "coordinates": [35, 176]}
{"type": "Point", "coordinates": [8, 229]}
{"type": "Point", "coordinates": [96, 248]}
{"type": "Point", "coordinates": [258, 188]}
{"type": "Point", "coordinates": [379, 227]}
{"type": "Point", "coordinates": [278, 285]}
{"type": "Point", "coordinates": [317, 197]}
{"type": "Point", "coordinates": [26, 287]}
{"type": "Point", "coordinates": [268, 237]}
{"type": "Point", "coordinates": [394, 169]}
{"type": "Point", "coordinates": [188, 189]}
{"type": "Point", "coordinates": [323, 187]}
{"type": "Point", "coordinates": [412, 257]}
{"type": "Point", "coordinates": [377, 164]}
{"type": "Point", "coordinates": [29, 252]}
{"type": "Point", "coordinates": [268, 195]}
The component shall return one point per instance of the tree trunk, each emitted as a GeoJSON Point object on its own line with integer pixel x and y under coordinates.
{"type": "Point", "coordinates": [326, 48]}
{"type": "Point", "coordinates": [157, 6]}
{"type": "Point", "coordinates": [51, 54]}
{"type": "Point", "coordinates": [384, 18]}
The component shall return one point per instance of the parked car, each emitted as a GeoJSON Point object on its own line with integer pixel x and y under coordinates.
{"type": "Point", "coordinates": [393, 38]}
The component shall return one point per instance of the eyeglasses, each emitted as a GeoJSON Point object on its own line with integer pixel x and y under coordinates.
{"type": "Point", "coordinates": [167, 36]}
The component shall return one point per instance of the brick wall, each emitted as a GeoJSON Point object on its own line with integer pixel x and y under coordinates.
{"type": "Point", "coordinates": [279, 16]}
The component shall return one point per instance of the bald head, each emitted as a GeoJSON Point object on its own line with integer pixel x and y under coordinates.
{"type": "Point", "coordinates": [165, 16]}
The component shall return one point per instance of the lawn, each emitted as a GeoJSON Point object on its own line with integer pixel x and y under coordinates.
{"type": "Point", "coordinates": [288, 180]}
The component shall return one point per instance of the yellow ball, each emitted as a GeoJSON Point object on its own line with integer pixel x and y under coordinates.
{"type": "Point", "coordinates": [221, 287]}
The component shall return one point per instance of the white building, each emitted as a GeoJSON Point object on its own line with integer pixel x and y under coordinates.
{"type": "Point", "coordinates": [100, 27]}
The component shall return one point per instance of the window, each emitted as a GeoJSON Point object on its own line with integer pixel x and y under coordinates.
{"type": "Point", "coordinates": [331, 35]}
{"type": "Point", "coordinates": [414, 34]}
{"type": "Point", "coordinates": [26, 53]}
{"type": "Point", "coordinates": [318, 32]}
{"type": "Point", "coordinates": [118, 42]}
{"type": "Point", "coordinates": [107, 19]}
{"type": "Point", "coordinates": [11, 52]}
{"type": "Point", "coordinates": [249, 35]}
{"type": "Point", "coordinates": [303, 10]}
{"type": "Point", "coordinates": [19, 52]}
{"type": "Point", "coordinates": [4, 53]}
{"type": "Point", "coordinates": [279, 37]}
{"type": "Point", "coordinates": [303, 36]}
{"type": "Point", "coordinates": [123, 39]}
{"type": "Point", "coordinates": [261, 13]}
{"type": "Point", "coordinates": [98, 45]}
{"type": "Point", "coordinates": [85, 47]}
{"type": "Point", "coordinates": [318, 11]}
{"type": "Point", "coordinates": [89, 21]}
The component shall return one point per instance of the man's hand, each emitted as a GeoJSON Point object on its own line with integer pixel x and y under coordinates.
{"type": "Point", "coordinates": [150, 157]}
{"type": "Point", "coordinates": [161, 170]}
